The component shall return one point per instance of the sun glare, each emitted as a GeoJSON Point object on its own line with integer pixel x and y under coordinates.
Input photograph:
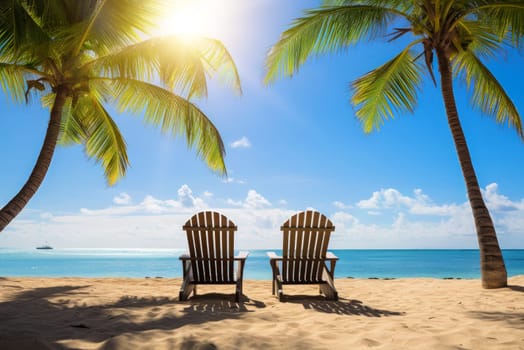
{"type": "Point", "coordinates": [190, 18]}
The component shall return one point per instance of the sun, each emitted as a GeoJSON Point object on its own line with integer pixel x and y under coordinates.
{"type": "Point", "coordinates": [191, 18]}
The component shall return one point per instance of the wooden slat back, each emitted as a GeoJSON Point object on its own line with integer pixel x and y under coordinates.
{"type": "Point", "coordinates": [305, 241]}
{"type": "Point", "coordinates": [210, 238]}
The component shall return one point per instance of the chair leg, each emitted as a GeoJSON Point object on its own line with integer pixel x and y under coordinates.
{"type": "Point", "coordinates": [238, 291]}
{"type": "Point", "coordinates": [273, 271]}
{"type": "Point", "coordinates": [328, 288]}
{"type": "Point", "coordinates": [187, 287]}
{"type": "Point", "coordinates": [329, 291]}
{"type": "Point", "coordinates": [240, 280]}
{"type": "Point", "coordinates": [278, 286]}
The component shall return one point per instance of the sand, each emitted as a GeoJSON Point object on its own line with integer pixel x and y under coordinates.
{"type": "Point", "coordinates": [122, 313]}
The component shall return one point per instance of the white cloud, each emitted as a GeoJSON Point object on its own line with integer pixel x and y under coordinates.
{"type": "Point", "coordinates": [282, 202]}
{"type": "Point", "coordinates": [341, 205]}
{"type": "Point", "coordinates": [498, 202]}
{"type": "Point", "coordinates": [343, 220]}
{"type": "Point", "coordinates": [233, 202]}
{"type": "Point", "coordinates": [255, 200]}
{"type": "Point", "coordinates": [386, 199]}
{"type": "Point", "coordinates": [46, 215]}
{"type": "Point", "coordinates": [417, 222]}
{"type": "Point", "coordinates": [231, 180]}
{"type": "Point", "coordinates": [185, 202]}
{"type": "Point", "coordinates": [156, 206]}
{"type": "Point", "coordinates": [122, 199]}
{"type": "Point", "coordinates": [241, 143]}
{"type": "Point", "coordinates": [186, 198]}
{"type": "Point", "coordinates": [404, 222]}
{"type": "Point", "coordinates": [418, 204]}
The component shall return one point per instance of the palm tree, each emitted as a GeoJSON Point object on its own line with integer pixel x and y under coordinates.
{"type": "Point", "coordinates": [81, 56]}
{"type": "Point", "coordinates": [460, 33]}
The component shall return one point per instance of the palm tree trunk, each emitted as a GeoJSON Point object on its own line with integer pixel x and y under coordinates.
{"type": "Point", "coordinates": [492, 266]}
{"type": "Point", "coordinates": [19, 201]}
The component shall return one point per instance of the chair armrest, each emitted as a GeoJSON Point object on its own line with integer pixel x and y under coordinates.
{"type": "Point", "coordinates": [273, 256]}
{"type": "Point", "coordinates": [241, 256]}
{"type": "Point", "coordinates": [184, 256]}
{"type": "Point", "coordinates": [331, 256]}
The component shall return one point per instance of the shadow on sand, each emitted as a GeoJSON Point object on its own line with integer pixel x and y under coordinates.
{"type": "Point", "coordinates": [340, 307]}
{"type": "Point", "coordinates": [104, 322]}
{"type": "Point", "coordinates": [222, 303]}
{"type": "Point", "coordinates": [513, 319]}
{"type": "Point", "coordinates": [517, 288]}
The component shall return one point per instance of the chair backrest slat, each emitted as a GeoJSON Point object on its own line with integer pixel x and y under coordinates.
{"type": "Point", "coordinates": [210, 237]}
{"type": "Point", "coordinates": [205, 248]}
{"type": "Point", "coordinates": [285, 250]}
{"type": "Point", "coordinates": [318, 249]}
{"type": "Point", "coordinates": [230, 252]}
{"type": "Point", "coordinates": [193, 251]}
{"type": "Point", "coordinates": [223, 244]}
{"type": "Point", "coordinates": [305, 241]}
{"type": "Point", "coordinates": [212, 247]}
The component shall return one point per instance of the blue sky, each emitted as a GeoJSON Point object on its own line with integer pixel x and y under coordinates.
{"type": "Point", "coordinates": [290, 146]}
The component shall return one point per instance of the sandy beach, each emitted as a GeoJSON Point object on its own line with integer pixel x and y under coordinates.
{"type": "Point", "coordinates": [122, 313]}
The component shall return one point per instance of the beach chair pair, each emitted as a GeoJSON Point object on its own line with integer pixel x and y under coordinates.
{"type": "Point", "coordinates": [304, 260]}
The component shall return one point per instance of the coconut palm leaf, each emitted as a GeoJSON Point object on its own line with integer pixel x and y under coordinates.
{"type": "Point", "coordinates": [12, 81]}
{"type": "Point", "coordinates": [104, 25]}
{"type": "Point", "coordinates": [487, 93]}
{"type": "Point", "coordinates": [481, 39]}
{"type": "Point", "coordinates": [389, 88]}
{"type": "Point", "coordinates": [103, 141]}
{"type": "Point", "coordinates": [219, 62]}
{"type": "Point", "coordinates": [507, 17]}
{"type": "Point", "coordinates": [20, 30]}
{"type": "Point", "coordinates": [180, 65]}
{"type": "Point", "coordinates": [72, 130]}
{"type": "Point", "coordinates": [398, 5]}
{"type": "Point", "coordinates": [324, 30]}
{"type": "Point", "coordinates": [172, 113]}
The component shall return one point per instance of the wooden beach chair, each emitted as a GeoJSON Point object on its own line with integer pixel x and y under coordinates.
{"type": "Point", "coordinates": [304, 257]}
{"type": "Point", "coordinates": [211, 259]}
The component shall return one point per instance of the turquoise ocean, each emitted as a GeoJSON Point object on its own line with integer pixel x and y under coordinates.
{"type": "Point", "coordinates": [165, 263]}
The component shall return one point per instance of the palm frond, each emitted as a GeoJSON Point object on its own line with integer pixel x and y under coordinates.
{"type": "Point", "coordinates": [113, 23]}
{"type": "Point", "coordinates": [401, 5]}
{"type": "Point", "coordinates": [323, 30]}
{"type": "Point", "coordinates": [180, 65]}
{"type": "Point", "coordinates": [507, 17]}
{"type": "Point", "coordinates": [12, 81]}
{"type": "Point", "coordinates": [72, 131]}
{"type": "Point", "coordinates": [480, 39]}
{"type": "Point", "coordinates": [487, 93]}
{"type": "Point", "coordinates": [103, 141]}
{"type": "Point", "coordinates": [218, 61]}
{"type": "Point", "coordinates": [172, 114]}
{"type": "Point", "coordinates": [20, 29]}
{"type": "Point", "coordinates": [391, 87]}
